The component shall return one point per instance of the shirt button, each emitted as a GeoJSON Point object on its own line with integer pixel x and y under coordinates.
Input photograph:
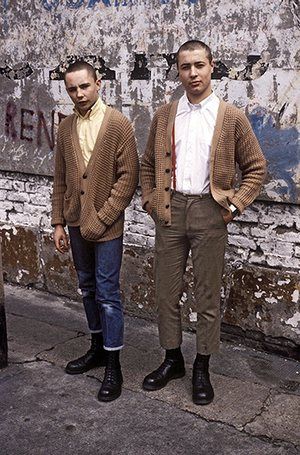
{"type": "Point", "coordinates": [167, 171]}
{"type": "Point", "coordinates": [81, 192]}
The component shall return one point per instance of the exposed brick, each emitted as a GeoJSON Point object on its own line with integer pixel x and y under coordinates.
{"type": "Point", "coordinates": [20, 197]}
{"type": "Point", "coordinates": [6, 184]}
{"type": "Point", "coordinates": [18, 186]}
{"type": "Point", "coordinates": [19, 219]}
{"type": "Point", "coordinates": [241, 241]}
{"type": "Point", "coordinates": [18, 207]}
{"type": "Point", "coordinates": [7, 205]}
{"type": "Point", "coordinates": [40, 199]}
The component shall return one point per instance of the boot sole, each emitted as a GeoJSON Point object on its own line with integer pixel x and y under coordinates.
{"type": "Point", "coordinates": [153, 388]}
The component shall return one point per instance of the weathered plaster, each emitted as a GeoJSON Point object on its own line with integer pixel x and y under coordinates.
{"type": "Point", "coordinates": [132, 43]}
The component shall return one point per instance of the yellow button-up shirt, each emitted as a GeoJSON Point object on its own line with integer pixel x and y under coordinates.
{"type": "Point", "coordinates": [88, 127]}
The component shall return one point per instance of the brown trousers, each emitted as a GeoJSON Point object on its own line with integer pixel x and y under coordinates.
{"type": "Point", "coordinates": [197, 225]}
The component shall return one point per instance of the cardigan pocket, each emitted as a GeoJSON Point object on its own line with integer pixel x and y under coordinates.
{"type": "Point", "coordinates": [91, 227]}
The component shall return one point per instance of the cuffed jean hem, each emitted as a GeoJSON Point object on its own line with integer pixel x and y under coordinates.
{"type": "Point", "coordinates": [113, 349]}
{"type": "Point", "coordinates": [96, 331]}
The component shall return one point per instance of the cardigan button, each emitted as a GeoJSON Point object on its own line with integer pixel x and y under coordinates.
{"type": "Point", "coordinates": [84, 176]}
{"type": "Point", "coordinates": [168, 154]}
{"type": "Point", "coordinates": [81, 192]}
{"type": "Point", "coordinates": [167, 171]}
{"type": "Point", "coordinates": [167, 206]}
{"type": "Point", "coordinates": [167, 188]}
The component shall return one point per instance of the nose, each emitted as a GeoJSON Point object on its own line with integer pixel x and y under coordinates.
{"type": "Point", "coordinates": [79, 93]}
{"type": "Point", "coordinates": [193, 71]}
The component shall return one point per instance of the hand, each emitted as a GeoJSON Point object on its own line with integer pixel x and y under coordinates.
{"type": "Point", "coordinates": [60, 238]}
{"type": "Point", "coordinates": [227, 216]}
{"type": "Point", "coordinates": [148, 208]}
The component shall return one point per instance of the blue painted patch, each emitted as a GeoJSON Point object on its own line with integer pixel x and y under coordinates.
{"type": "Point", "coordinates": [49, 5]}
{"type": "Point", "coordinates": [281, 149]}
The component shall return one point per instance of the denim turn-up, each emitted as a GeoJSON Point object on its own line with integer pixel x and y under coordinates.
{"type": "Point", "coordinates": [98, 270]}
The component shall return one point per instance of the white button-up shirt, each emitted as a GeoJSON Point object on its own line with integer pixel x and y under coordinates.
{"type": "Point", "coordinates": [194, 128]}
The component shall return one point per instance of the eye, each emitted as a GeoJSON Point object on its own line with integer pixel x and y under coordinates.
{"type": "Point", "coordinates": [84, 86]}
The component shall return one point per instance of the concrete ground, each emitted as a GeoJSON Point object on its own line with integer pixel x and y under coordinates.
{"type": "Point", "coordinates": [45, 411]}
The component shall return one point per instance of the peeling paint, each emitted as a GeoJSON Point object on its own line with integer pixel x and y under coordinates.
{"type": "Point", "coordinates": [295, 296]}
{"type": "Point", "coordinates": [282, 282]}
{"type": "Point", "coordinates": [193, 316]}
{"type": "Point", "coordinates": [258, 295]}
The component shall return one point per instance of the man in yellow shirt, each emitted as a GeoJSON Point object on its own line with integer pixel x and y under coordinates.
{"type": "Point", "coordinates": [96, 174]}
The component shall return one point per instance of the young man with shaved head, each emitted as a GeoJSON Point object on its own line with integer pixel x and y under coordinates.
{"type": "Point", "coordinates": [188, 185]}
{"type": "Point", "coordinates": [96, 174]}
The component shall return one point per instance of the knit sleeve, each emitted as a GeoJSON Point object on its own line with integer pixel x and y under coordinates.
{"type": "Point", "coordinates": [127, 172]}
{"type": "Point", "coordinates": [251, 162]}
{"type": "Point", "coordinates": [59, 184]}
{"type": "Point", "coordinates": [148, 164]}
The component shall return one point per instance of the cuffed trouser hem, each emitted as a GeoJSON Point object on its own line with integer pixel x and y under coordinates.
{"type": "Point", "coordinates": [113, 349]}
{"type": "Point", "coordinates": [168, 346]}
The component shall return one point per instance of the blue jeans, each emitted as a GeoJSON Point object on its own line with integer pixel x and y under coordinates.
{"type": "Point", "coordinates": [98, 270]}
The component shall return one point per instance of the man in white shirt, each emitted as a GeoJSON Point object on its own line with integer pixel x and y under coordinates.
{"type": "Point", "coordinates": [187, 177]}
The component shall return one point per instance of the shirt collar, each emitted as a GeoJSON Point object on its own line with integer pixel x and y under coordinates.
{"type": "Point", "coordinates": [94, 110]}
{"type": "Point", "coordinates": [185, 106]}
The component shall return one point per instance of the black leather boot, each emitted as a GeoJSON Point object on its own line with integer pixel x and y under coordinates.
{"type": "Point", "coordinates": [95, 357]}
{"type": "Point", "coordinates": [203, 392]}
{"type": "Point", "coordinates": [112, 383]}
{"type": "Point", "coordinates": [171, 368]}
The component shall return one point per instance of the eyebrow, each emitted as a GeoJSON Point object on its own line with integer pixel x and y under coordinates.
{"type": "Point", "coordinates": [192, 63]}
{"type": "Point", "coordinates": [80, 85]}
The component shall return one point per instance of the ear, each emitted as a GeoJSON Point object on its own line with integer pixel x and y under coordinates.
{"type": "Point", "coordinates": [98, 83]}
{"type": "Point", "coordinates": [212, 64]}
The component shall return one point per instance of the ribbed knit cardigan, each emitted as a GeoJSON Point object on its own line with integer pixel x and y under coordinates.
{"type": "Point", "coordinates": [234, 142]}
{"type": "Point", "coordinates": [95, 197]}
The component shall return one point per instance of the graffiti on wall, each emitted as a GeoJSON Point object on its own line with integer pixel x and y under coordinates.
{"type": "Point", "coordinates": [31, 126]}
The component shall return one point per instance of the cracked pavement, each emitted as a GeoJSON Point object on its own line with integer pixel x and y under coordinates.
{"type": "Point", "coordinates": [43, 410]}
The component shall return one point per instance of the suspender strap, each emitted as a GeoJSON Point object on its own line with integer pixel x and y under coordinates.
{"type": "Point", "coordinates": [173, 158]}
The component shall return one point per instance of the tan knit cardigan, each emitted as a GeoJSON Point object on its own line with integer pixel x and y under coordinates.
{"type": "Point", "coordinates": [95, 197]}
{"type": "Point", "coordinates": [233, 142]}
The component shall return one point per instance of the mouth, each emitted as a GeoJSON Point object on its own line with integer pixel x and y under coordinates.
{"type": "Point", "coordinates": [195, 83]}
